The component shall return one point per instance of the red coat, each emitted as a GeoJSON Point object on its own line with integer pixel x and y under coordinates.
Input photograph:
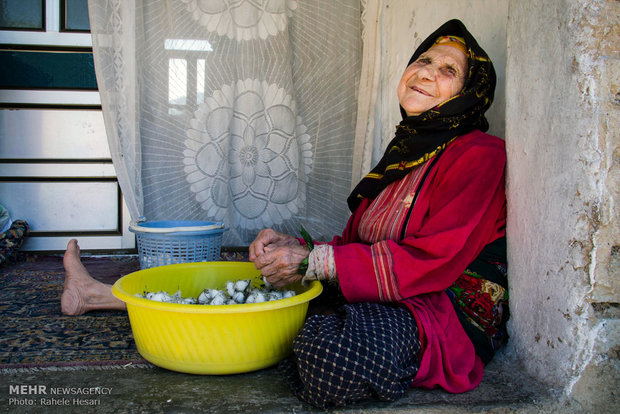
{"type": "Point", "coordinates": [461, 208]}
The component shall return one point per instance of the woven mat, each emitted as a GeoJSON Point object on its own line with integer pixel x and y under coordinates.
{"type": "Point", "coordinates": [37, 336]}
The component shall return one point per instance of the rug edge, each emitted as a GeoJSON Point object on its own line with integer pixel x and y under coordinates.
{"type": "Point", "coordinates": [73, 366]}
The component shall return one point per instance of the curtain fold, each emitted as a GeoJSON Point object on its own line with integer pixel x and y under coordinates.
{"type": "Point", "coordinates": [368, 90]}
{"type": "Point", "coordinates": [240, 111]}
{"type": "Point", "coordinates": [112, 27]}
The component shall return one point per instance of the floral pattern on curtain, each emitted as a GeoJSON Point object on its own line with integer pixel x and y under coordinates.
{"type": "Point", "coordinates": [241, 111]}
{"type": "Point", "coordinates": [252, 134]}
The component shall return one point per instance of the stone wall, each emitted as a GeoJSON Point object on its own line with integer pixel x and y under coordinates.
{"type": "Point", "coordinates": [563, 183]}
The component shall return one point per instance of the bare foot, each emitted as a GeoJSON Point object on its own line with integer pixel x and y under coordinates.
{"type": "Point", "coordinates": [81, 292]}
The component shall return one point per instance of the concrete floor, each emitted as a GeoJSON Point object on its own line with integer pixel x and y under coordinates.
{"type": "Point", "coordinates": [154, 390]}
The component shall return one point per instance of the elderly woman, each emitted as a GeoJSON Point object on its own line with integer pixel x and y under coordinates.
{"type": "Point", "coordinates": [420, 269]}
{"type": "Point", "coordinates": [421, 264]}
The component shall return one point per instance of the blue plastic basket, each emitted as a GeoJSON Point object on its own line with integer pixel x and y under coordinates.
{"type": "Point", "coordinates": [170, 242]}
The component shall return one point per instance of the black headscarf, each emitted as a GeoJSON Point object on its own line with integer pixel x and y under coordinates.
{"type": "Point", "coordinates": [419, 138]}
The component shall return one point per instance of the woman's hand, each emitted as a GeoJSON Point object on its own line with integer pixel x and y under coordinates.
{"type": "Point", "coordinates": [278, 257]}
{"type": "Point", "coordinates": [268, 240]}
{"type": "Point", "coordinates": [279, 264]}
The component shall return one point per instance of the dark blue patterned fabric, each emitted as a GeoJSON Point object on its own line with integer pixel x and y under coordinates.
{"type": "Point", "coordinates": [365, 350]}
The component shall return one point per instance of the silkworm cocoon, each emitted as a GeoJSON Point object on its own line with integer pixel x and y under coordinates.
{"type": "Point", "coordinates": [241, 285]}
{"type": "Point", "coordinates": [255, 297]}
{"type": "Point", "coordinates": [259, 298]}
{"type": "Point", "coordinates": [234, 293]}
{"type": "Point", "coordinates": [218, 300]}
{"type": "Point", "coordinates": [160, 297]}
{"type": "Point", "coordinates": [230, 288]}
{"type": "Point", "coordinates": [239, 297]}
{"type": "Point", "coordinates": [204, 297]}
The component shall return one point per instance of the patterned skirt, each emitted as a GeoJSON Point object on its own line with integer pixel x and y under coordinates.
{"type": "Point", "coordinates": [364, 350]}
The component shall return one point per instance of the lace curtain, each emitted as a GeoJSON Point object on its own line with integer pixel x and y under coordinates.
{"type": "Point", "coordinates": [241, 111]}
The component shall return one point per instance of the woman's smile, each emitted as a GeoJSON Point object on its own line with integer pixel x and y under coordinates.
{"type": "Point", "coordinates": [421, 91]}
{"type": "Point", "coordinates": [435, 77]}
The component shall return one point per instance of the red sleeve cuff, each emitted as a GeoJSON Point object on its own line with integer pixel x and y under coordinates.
{"type": "Point", "coordinates": [355, 272]}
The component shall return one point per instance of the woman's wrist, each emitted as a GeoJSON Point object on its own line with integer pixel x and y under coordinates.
{"type": "Point", "coordinates": [321, 264]}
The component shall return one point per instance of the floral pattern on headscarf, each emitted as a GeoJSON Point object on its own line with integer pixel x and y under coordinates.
{"type": "Point", "coordinates": [421, 137]}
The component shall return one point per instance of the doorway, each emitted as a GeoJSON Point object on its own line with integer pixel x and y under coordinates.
{"type": "Point", "coordinates": [56, 171]}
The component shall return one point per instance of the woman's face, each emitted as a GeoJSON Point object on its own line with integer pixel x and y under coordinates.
{"type": "Point", "coordinates": [436, 76]}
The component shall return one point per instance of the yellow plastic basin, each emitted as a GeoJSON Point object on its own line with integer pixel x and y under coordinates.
{"type": "Point", "coordinates": [209, 339]}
